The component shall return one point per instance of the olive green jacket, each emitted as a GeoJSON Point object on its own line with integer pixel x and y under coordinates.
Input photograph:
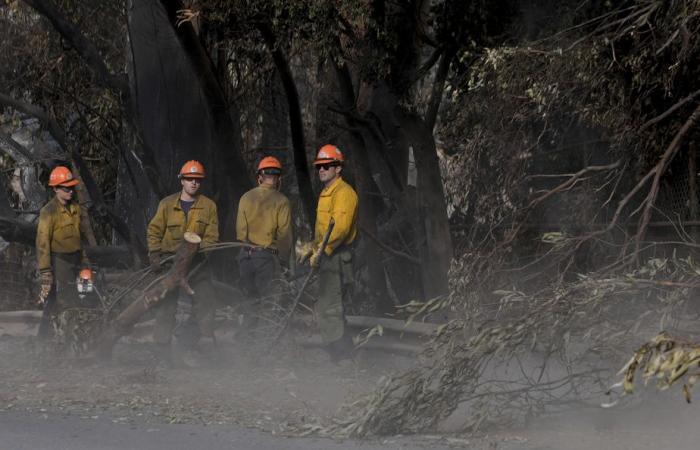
{"type": "Point", "coordinates": [58, 231]}
{"type": "Point", "coordinates": [166, 229]}
{"type": "Point", "coordinates": [264, 218]}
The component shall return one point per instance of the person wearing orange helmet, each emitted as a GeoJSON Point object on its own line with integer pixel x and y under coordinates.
{"type": "Point", "coordinates": [186, 210]}
{"type": "Point", "coordinates": [264, 221]}
{"type": "Point", "coordinates": [58, 247]}
{"type": "Point", "coordinates": [337, 201]}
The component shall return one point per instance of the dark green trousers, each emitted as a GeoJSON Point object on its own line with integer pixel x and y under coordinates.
{"type": "Point", "coordinates": [334, 283]}
{"type": "Point", "coordinates": [203, 307]}
{"type": "Point", "coordinates": [64, 293]}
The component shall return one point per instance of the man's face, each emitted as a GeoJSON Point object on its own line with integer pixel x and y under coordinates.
{"type": "Point", "coordinates": [191, 185]}
{"type": "Point", "coordinates": [328, 172]}
{"type": "Point", "coordinates": [64, 194]}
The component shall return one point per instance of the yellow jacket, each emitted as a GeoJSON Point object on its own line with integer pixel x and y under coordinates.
{"type": "Point", "coordinates": [167, 227]}
{"type": "Point", "coordinates": [58, 231]}
{"type": "Point", "coordinates": [338, 201]}
{"type": "Point", "coordinates": [265, 219]}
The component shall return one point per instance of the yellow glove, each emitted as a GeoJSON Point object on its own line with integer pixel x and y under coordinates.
{"type": "Point", "coordinates": [304, 251]}
{"type": "Point", "coordinates": [46, 279]}
{"type": "Point", "coordinates": [315, 258]}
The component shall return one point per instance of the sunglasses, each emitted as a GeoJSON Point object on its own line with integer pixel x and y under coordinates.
{"type": "Point", "coordinates": [193, 180]}
{"type": "Point", "coordinates": [66, 188]}
{"type": "Point", "coordinates": [326, 166]}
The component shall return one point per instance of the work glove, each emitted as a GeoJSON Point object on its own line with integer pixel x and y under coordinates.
{"type": "Point", "coordinates": [46, 279]}
{"type": "Point", "coordinates": [315, 258]}
{"type": "Point", "coordinates": [154, 260]}
{"type": "Point", "coordinates": [304, 252]}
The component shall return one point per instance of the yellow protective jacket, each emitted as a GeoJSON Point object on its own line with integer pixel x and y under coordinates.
{"type": "Point", "coordinates": [265, 219]}
{"type": "Point", "coordinates": [166, 229]}
{"type": "Point", "coordinates": [58, 231]}
{"type": "Point", "coordinates": [338, 201]}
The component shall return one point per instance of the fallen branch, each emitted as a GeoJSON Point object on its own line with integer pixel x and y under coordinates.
{"type": "Point", "coordinates": [176, 277]}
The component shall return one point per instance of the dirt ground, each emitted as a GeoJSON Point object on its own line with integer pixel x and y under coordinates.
{"type": "Point", "coordinates": [290, 390]}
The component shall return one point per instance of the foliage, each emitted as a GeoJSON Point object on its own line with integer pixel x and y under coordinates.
{"type": "Point", "coordinates": [556, 341]}
{"type": "Point", "coordinates": [665, 359]}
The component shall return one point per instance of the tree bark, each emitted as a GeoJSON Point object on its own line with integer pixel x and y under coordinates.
{"type": "Point", "coordinates": [296, 122]}
{"type": "Point", "coordinates": [231, 179]}
{"type": "Point", "coordinates": [368, 204]}
{"type": "Point", "coordinates": [436, 251]}
{"type": "Point", "coordinates": [438, 88]}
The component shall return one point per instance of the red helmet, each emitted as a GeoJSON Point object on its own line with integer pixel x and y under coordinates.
{"type": "Point", "coordinates": [270, 165]}
{"type": "Point", "coordinates": [329, 154]}
{"type": "Point", "coordinates": [192, 169]}
{"type": "Point", "coordinates": [62, 176]}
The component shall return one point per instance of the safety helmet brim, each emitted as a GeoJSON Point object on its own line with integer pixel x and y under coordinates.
{"type": "Point", "coordinates": [69, 183]}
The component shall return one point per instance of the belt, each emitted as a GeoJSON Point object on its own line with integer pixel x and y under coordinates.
{"type": "Point", "coordinates": [250, 250]}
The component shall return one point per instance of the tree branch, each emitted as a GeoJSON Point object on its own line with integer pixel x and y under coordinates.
{"type": "Point", "coordinates": [669, 111]}
{"type": "Point", "coordinates": [91, 186]}
{"type": "Point", "coordinates": [658, 171]}
{"type": "Point", "coordinates": [87, 51]}
{"type": "Point", "coordinates": [15, 150]}
{"type": "Point", "coordinates": [386, 248]}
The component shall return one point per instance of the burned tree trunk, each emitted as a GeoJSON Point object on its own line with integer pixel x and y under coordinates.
{"type": "Point", "coordinates": [176, 277]}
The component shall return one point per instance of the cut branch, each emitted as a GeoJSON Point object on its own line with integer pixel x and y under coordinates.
{"type": "Point", "coordinates": [176, 277]}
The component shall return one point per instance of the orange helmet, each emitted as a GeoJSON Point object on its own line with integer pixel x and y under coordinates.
{"type": "Point", "coordinates": [85, 274]}
{"type": "Point", "coordinates": [62, 176]}
{"type": "Point", "coordinates": [270, 165]}
{"type": "Point", "coordinates": [192, 169]}
{"type": "Point", "coordinates": [329, 153]}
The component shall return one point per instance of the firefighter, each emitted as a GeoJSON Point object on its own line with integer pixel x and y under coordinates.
{"type": "Point", "coordinates": [339, 201]}
{"type": "Point", "coordinates": [187, 210]}
{"type": "Point", "coordinates": [58, 248]}
{"type": "Point", "coordinates": [264, 221]}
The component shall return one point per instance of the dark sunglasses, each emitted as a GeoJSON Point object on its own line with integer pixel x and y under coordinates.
{"type": "Point", "coordinates": [326, 166]}
{"type": "Point", "coordinates": [66, 188]}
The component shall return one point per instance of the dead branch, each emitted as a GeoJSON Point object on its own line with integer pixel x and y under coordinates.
{"type": "Point", "coordinates": [84, 173]}
{"type": "Point", "coordinates": [669, 111]}
{"type": "Point", "coordinates": [386, 248]}
{"type": "Point", "coordinates": [82, 45]}
{"type": "Point", "coordinates": [573, 178]}
{"type": "Point", "coordinates": [658, 170]}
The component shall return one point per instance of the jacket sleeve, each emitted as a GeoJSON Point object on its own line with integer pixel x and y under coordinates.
{"type": "Point", "coordinates": [284, 230]}
{"type": "Point", "coordinates": [343, 213]}
{"type": "Point", "coordinates": [156, 229]}
{"type": "Point", "coordinates": [211, 234]}
{"type": "Point", "coordinates": [44, 233]}
{"type": "Point", "coordinates": [241, 222]}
